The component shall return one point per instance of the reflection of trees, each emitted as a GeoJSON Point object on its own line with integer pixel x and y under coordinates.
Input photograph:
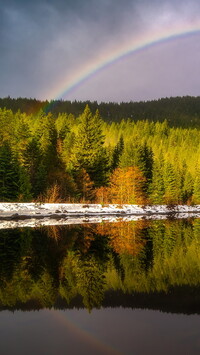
{"type": "Point", "coordinates": [125, 238]}
{"type": "Point", "coordinates": [44, 265]}
{"type": "Point", "coordinates": [12, 247]}
{"type": "Point", "coordinates": [88, 260]}
{"type": "Point", "coordinates": [85, 277]}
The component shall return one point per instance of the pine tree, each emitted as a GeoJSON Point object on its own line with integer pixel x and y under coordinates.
{"type": "Point", "coordinates": [24, 185]}
{"type": "Point", "coordinates": [62, 127]}
{"type": "Point", "coordinates": [85, 185]}
{"type": "Point", "coordinates": [172, 184]}
{"type": "Point", "coordinates": [21, 137]}
{"type": "Point", "coordinates": [156, 188]}
{"type": "Point", "coordinates": [9, 174]}
{"type": "Point", "coordinates": [188, 187]}
{"type": "Point", "coordinates": [196, 192]}
{"type": "Point", "coordinates": [145, 163]}
{"type": "Point", "coordinates": [35, 165]}
{"type": "Point", "coordinates": [88, 151]}
{"type": "Point", "coordinates": [117, 152]}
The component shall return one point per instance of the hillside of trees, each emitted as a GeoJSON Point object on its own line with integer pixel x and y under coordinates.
{"type": "Point", "coordinates": [178, 111]}
{"type": "Point", "coordinates": [68, 158]}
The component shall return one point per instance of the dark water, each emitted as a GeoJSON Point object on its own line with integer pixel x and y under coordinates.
{"type": "Point", "coordinates": [112, 288]}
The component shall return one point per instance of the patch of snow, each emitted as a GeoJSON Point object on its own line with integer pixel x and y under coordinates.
{"type": "Point", "coordinates": [13, 215]}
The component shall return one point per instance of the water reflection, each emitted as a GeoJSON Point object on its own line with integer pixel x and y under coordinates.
{"type": "Point", "coordinates": [138, 264]}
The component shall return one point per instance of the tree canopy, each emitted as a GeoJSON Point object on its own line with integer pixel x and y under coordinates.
{"type": "Point", "coordinates": [48, 157]}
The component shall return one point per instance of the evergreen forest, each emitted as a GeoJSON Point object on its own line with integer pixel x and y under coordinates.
{"type": "Point", "coordinates": [48, 154]}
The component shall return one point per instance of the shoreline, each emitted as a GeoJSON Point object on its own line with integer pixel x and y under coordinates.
{"type": "Point", "coordinates": [14, 215]}
{"type": "Point", "coordinates": [81, 208]}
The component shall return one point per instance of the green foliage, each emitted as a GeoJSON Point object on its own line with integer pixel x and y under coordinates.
{"type": "Point", "coordinates": [24, 185]}
{"type": "Point", "coordinates": [196, 194]}
{"type": "Point", "coordinates": [44, 150]}
{"type": "Point", "coordinates": [88, 151]}
{"type": "Point", "coordinates": [9, 175]}
{"type": "Point", "coordinates": [178, 111]}
{"type": "Point", "coordinates": [157, 189]}
{"type": "Point", "coordinates": [171, 184]}
{"type": "Point", "coordinates": [117, 152]}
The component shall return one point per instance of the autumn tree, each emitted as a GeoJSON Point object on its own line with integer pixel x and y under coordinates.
{"type": "Point", "coordinates": [126, 186]}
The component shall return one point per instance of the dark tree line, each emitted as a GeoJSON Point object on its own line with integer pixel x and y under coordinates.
{"type": "Point", "coordinates": [178, 111]}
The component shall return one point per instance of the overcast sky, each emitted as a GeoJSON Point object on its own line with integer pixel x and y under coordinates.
{"type": "Point", "coordinates": [45, 43]}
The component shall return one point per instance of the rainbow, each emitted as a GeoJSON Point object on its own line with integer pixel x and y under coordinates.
{"type": "Point", "coordinates": [142, 42]}
{"type": "Point", "coordinates": [83, 337]}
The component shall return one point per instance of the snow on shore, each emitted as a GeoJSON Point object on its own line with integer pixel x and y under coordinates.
{"type": "Point", "coordinates": [13, 215]}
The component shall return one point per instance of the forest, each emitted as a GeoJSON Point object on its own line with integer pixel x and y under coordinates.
{"type": "Point", "coordinates": [63, 157]}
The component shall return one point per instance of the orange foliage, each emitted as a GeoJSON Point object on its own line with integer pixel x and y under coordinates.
{"type": "Point", "coordinates": [102, 195]}
{"type": "Point", "coordinates": [86, 238]}
{"type": "Point", "coordinates": [125, 238]}
{"type": "Point", "coordinates": [85, 186]}
{"type": "Point", "coordinates": [53, 194]}
{"type": "Point", "coordinates": [126, 186]}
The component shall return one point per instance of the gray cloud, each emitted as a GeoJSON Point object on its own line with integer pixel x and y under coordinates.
{"type": "Point", "coordinates": [42, 42]}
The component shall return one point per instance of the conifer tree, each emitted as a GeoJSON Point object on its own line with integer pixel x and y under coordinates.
{"type": "Point", "coordinates": [33, 163]}
{"type": "Point", "coordinates": [85, 185]}
{"type": "Point", "coordinates": [117, 152]}
{"type": "Point", "coordinates": [61, 125]}
{"type": "Point", "coordinates": [172, 184]}
{"type": "Point", "coordinates": [9, 175]}
{"type": "Point", "coordinates": [24, 185]}
{"type": "Point", "coordinates": [196, 192]}
{"type": "Point", "coordinates": [145, 162]}
{"type": "Point", "coordinates": [88, 151]}
{"type": "Point", "coordinates": [188, 187]}
{"type": "Point", "coordinates": [21, 137]}
{"type": "Point", "coordinates": [156, 188]}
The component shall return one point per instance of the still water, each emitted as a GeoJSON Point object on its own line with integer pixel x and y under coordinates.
{"type": "Point", "coordinates": [109, 288]}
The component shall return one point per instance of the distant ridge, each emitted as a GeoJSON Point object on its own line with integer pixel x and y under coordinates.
{"type": "Point", "coordinates": [178, 111]}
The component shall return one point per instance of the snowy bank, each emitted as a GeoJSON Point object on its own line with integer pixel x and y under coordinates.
{"type": "Point", "coordinates": [14, 215]}
{"type": "Point", "coordinates": [37, 210]}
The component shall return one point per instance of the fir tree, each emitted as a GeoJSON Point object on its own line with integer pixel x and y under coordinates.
{"type": "Point", "coordinates": [9, 174]}
{"type": "Point", "coordinates": [157, 189]}
{"type": "Point", "coordinates": [172, 184]}
{"type": "Point", "coordinates": [24, 185]}
{"type": "Point", "coordinates": [117, 152]}
{"type": "Point", "coordinates": [88, 151]}
{"type": "Point", "coordinates": [145, 162]}
{"type": "Point", "coordinates": [85, 185]}
{"type": "Point", "coordinates": [188, 187]}
{"type": "Point", "coordinates": [196, 192]}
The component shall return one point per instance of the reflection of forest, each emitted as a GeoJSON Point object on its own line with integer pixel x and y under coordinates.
{"type": "Point", "coordinates": [136, 264]}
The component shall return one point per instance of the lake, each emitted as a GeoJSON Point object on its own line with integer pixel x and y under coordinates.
{"type": "Point", "coordinates": [108, 288]}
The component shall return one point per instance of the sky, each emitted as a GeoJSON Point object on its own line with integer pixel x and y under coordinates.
{"type": "Point", "coordinates": [84, 49]}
